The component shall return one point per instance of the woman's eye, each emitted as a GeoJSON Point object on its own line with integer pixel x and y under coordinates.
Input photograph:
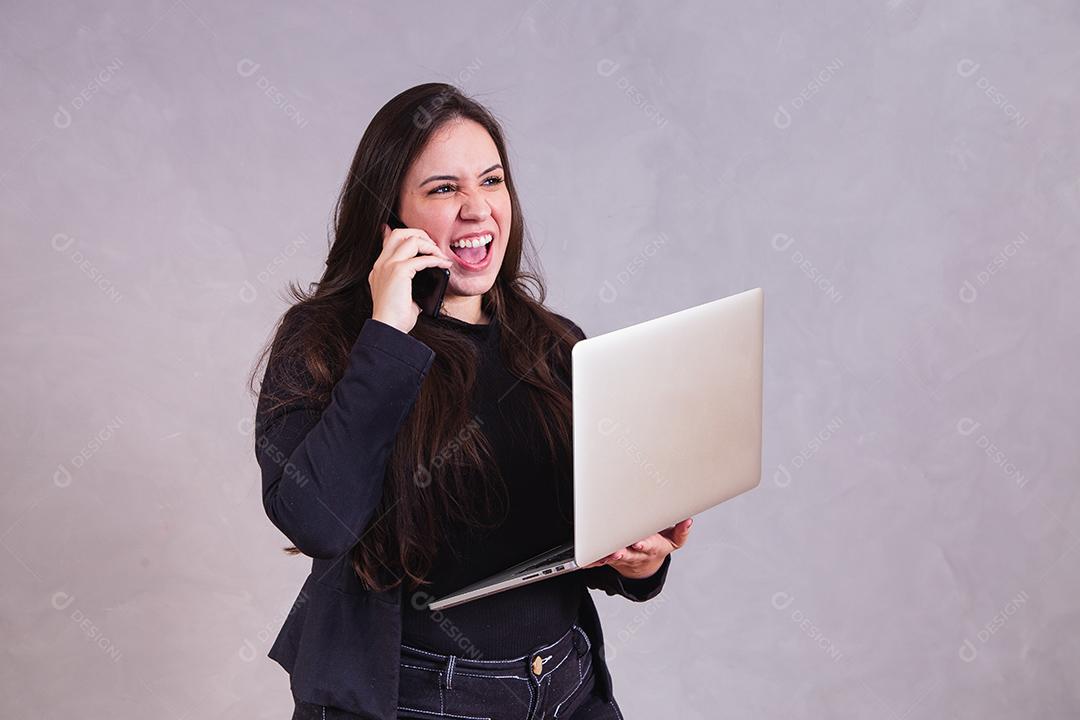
{"type": "Point", "coordinates": [496, 178]}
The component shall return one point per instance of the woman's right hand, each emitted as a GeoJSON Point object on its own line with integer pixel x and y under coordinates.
{"type": "Point", "coordinates": [392, 275]}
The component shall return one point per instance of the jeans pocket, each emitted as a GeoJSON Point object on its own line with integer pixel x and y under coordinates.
{"type": "Point", "coordinates": [573, 679]}
{"type": "Point", "coordinates": [420, 691]}
{"type": "Point", "coordinates": [585, 665]}
{"type": "Point", "coordinates": [502, 695]}
{"type": "Point", "coordinates": [579, 692]}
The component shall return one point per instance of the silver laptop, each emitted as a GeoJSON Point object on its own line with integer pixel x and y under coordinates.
{"type": "Point", "coordinates": [667, 424]}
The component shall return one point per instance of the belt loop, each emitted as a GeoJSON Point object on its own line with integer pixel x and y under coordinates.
{"type": "Point", "coordinates": [450, 670]}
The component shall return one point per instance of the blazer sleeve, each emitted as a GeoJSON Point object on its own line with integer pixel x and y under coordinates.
{"type": "Point", "coordinates": [605, 577]}
{"type": "Point", "coordinates": [323, 468]}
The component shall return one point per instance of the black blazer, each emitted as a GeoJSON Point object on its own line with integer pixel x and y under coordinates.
{"type": "Point", "coordinates": [322, 478]}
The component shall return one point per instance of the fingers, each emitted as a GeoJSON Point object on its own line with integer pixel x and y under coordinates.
{"type": "Point", "coordinates": [676, 536]}
{"type": "Point", "coordinates": [641, 547]}
{"type": "Point", "coordinates": [678, 533]}
{"type": "Point", "coordinates": [420, 262]}
{"type": "Point", "coordinates": [405, 243]}
{"type": "Point", "coordinates": [603, 561]}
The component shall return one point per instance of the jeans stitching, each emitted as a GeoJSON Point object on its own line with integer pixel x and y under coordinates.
{"type": "Point", "coordinates": [442, 698]}
{"type": "Point", "coordinates": [417, 667]}
{"type": "Point", "coordinates": [442, 656]}
{"type": "Point", "coordinates": [616, 708]}
{"type": "Point", "coordinates": [442, 706]}
{"type": "Point", "coordinates": [556, 642]}
{"type": "Point", "coordinates": [580, 682]}
{"type": "Point", "coordinates": [588, 643]}
{"type": "Point", "coordinates": [437, 714]}
{"type": "Point", "coordinates": [478, 675]}
{"type": "Point", "coordinates": [534, 695]}
{"type": "Point", "coordinates": [422, 652]}
{"type": "Point", "coordinates": [543, 676]}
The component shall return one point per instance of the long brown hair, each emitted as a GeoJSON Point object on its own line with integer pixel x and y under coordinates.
{"type": "Point", "coordinates": [427, 484]}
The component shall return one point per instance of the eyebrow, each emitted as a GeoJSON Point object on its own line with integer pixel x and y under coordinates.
{"type": "Point", "coordinates": [496, 166]}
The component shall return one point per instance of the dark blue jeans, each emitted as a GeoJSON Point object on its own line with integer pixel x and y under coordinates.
{"type": "Point", "coordinates": [554, 681]}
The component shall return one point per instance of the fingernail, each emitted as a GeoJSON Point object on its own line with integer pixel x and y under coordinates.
{"type": "Point", "coordinates": [690, 524]}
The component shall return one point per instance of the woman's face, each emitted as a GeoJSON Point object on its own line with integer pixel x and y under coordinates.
{"type": "Point", "coordinates": [455, 190]}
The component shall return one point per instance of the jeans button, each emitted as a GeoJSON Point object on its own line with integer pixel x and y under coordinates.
{"type": "Point", "coordinates": [537, 665]}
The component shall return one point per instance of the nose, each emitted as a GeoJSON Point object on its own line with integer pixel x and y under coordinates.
{"type": "Point", "coordinates": [477, 210]}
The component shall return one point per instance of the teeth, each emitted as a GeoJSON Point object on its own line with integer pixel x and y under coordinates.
{"type": "Point", "coordinates": [473, 242]}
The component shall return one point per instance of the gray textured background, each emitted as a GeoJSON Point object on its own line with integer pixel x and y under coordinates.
{"type": "Point", "coordinates": [900, 177]}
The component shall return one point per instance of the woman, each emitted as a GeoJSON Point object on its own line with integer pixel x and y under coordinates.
{"type": "Point", "coordinates": [410, 456]}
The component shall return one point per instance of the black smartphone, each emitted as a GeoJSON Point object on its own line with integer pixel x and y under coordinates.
{"type": "Point", "coordinates": [429, 284]}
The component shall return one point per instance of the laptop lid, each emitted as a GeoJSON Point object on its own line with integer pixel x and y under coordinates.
{"type": "Point", "coordinates": [667, 421]}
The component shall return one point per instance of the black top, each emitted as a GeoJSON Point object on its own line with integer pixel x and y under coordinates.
{"type": "Point", "coordinates": [539, 516]}
{"type": "Point", "coordinates": [323, 468]}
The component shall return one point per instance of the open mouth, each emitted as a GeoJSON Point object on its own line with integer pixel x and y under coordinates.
{"type": "Point", "coordinates": [473, 252]}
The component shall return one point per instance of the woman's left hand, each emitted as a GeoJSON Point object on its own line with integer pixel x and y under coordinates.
{"type": "Point", "coordinates": [643, 558]}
